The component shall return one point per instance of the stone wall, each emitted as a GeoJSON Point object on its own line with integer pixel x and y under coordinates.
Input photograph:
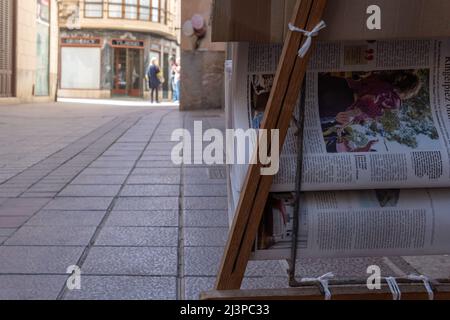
{"type": "Point", "coordinates": [202, 80]}
{"type": "Point", "coordinates": [202, 70]}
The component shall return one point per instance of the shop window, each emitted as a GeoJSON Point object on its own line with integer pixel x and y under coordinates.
{"type": "Point", "coordinates": [144, 10]}
{"type": "Point", "coordinates": [42, 48]}
{"type": "Point", "coordinates": [155, 11]}
{"type": "Point", "coordinates": [80, 68]}
{"type": "Point", "coordinates": [115, 8]}
{"type": "Point", "coordinates": [131, 9]}
{"type": "Point", "coordinates": [93, 9]}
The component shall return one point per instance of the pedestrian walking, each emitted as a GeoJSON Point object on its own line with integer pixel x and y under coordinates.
{"type": "Point", "coordinates": [177, 82]}
{"type": "Point", "coordinates": [154, 80]}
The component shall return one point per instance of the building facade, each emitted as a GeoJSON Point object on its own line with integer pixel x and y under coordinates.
{"type": "Point", "coordinates": [28, 50]}
{"type": "Point", "coordinates": [106, 46]}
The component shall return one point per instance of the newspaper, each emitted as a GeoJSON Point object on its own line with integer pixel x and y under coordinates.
{"type": "Point", "coordinates": [363, 223]}
{"type": "Point", "coordinates": [231, 174]}
{"type": "Point", "coordinates": [377, 114]}
{"type": "Point", "coordinates": [377, 119]}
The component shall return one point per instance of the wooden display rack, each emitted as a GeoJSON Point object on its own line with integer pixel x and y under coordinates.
{"type": "Point", "coordinates": [282, 102]}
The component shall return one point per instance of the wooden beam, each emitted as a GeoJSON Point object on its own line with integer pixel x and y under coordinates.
{"type": "Point", "coordinates": [342, 292]}
{"type": "Point", "coordinates": [282, 102]}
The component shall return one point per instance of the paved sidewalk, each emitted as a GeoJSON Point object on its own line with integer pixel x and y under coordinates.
{"type": "Point", "coordinates": [94, 186]}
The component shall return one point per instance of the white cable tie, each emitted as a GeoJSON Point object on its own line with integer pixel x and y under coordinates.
{"type": "Point", "coordinates": [395, 289]}
{"type": "Point", "coordinates": [324, 282]}
{"type": "Point", "coordinates": [426, 282]}
{"type": "Point", "coordinates": [309, 35]}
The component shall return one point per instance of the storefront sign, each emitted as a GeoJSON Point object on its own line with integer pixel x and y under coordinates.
{"type": "Point", "coordinates": [81, 42]}
{"type": "Point", "coordinates": [155, 47]}
{"type": "Point", "coordinates": [125, 43]}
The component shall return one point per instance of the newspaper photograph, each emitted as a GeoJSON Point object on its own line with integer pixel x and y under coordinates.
{"type": "Point", "coordinates": [379, 112]}
{"type": "Point", "coordinates": [376, 113]}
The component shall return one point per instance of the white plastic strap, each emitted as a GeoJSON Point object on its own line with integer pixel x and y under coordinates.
{"type": "Point", "coordinates": [309, 35]}
{"type": "Point", "coordinates": [324, 282]}
{"type": "Point", "coordinates": [426, 282]}
{"type": "Point", "coordinates": [395, 289]}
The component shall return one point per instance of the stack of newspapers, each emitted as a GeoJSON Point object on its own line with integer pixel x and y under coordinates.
{"type": "Point", "coordinates": [376, 150]}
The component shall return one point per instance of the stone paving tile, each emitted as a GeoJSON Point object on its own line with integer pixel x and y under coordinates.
{"type": "Point", "coordinates": [38, 195]}
{"type": "Point", "coordinates": [146, 203]}
{"type": "Point", "coordinates": [160, 146]}
{"type": "Point", "coordinates": [125, 288]}
{"type": "Point", "coordinates": [122, 153]}
{"type": "Point", "coordinates": [118, 158]}
{"type": "Point", "coordinates": [38, 260]}
{"type": "Point", "coordinates": [31, 287]}
{"type": "Point", "coordinates": [12, 222]}
{"type": "Point", "coordinates": [150, 191]}
{"type": "Point", "coordinates": [57, 179]}
{"type": "Point", "coordinates": [99, 180]}
{"type": "Point", "coordinates": [161, 138]}
{"type": "Point", "coordinates": [156, 164]}
{"type": "Point", "coordinates": [219, 190]}
{"type": "Point", "coordinates": [205, 237]}
{"type": "Point", "coordinates": [157, 158]}
{"type": "Point", "coordinates": [41, 187]}
{"type": "Point", "coordinates": [6, 232]}
{"type": "Point", "coordinates": [143, 219]}
{"type": "Point", "coordinates": [153, 153]}
{"type": "Point", "coordinates": [52, 236]}
{"type": "Point", "coordinates": [157, 171]}
{"type": "Point", "coordinates": [90, 191]}
{"type": "Point", "coordinates": [156, 179]}
{"type": "Point", "coordinates": [66, 218]}
{"type": "Point", "coordinates": [202, 261]}
{"type": "Point", "coordinates": [200, 171]}
{"type": "Point", "coordinates": [206, 203]}
{"type": "Point", "coordinates": [79, 204]}
{"type": "Point", "coordinates": [11, 193]}
{"type": "Point", "coordinates": [194, 286]}
{"type": "Point", "coordinates": [22, 207]}
{"type": "Point", "coordinates": [130, 261]}
{"type": "Point", "coordinates": [205, 261]}
{"type": "Point", "coordinates": [138, 237]}
{"type": "Point", "coordinates": [193, 180]}
{"type": "Point", "coordinates": [205, 218]}
{"type": "Point", "coordinates": [3, 239]}
{"type": "Point", "coordinates": [106, 171]}
{"type": "Point", "coordinates": [112, 164]}
{"type": "Point", "coordinates": [65, 172]}
{"type": "Point", "coordinates": [127, 147]}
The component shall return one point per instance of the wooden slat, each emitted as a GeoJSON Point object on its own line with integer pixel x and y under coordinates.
{"type": "Point", "coordinates": [343, 292]}
{"type": "Point", "coordinates": [284, 96]}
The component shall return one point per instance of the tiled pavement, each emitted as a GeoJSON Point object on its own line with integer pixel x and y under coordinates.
{"type": "Point", "coordinates": [96, 188]}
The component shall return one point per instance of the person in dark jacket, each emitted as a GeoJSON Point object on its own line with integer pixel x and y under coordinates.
{"type": "Point", "coordinates": [153, 80]}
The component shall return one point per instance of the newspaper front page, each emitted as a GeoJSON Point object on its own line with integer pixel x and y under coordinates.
{"type": "Point", "coordinates": [377, 113]}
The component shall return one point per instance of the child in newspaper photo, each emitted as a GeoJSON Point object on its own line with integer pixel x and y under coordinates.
{"type": "Point", "coordinates": [260, 87]}
{"type": "Point", "coordinates": [376, 111]}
